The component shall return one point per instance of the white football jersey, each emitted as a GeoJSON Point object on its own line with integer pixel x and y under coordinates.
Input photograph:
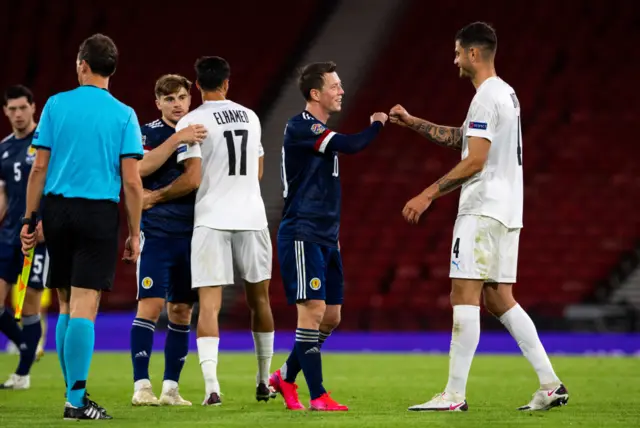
{"type": "Point", "coordinates": [229, 195]}
{"type": "Point", "coordinates": [496, 191]}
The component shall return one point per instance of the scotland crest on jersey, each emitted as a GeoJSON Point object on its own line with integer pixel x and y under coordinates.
{"type": "Point", "coordinates": [31, 155]}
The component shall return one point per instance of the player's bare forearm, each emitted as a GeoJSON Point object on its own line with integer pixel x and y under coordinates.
{"type": "Point", "coordinates": [155, 158]}
{"type": "Point", "coordinates": [455, 178]}
{"type": "Point", "coordinates": [182, 186]}
{"type": "Point", "coordinates": [133, 206]}
{"type": "Point", "coordinates": [446, 136]}
{"type": "Point", "coordinates": [188, 181]}
{"type": "Point", "coordinates": [3, 203]}
{"type": "Point", "coordinates": [37, 179]}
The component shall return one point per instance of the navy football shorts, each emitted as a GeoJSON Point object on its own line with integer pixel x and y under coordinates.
{"type": "Point", "coordinates": [310, 271]}
{"type": "Point", "coordinates": [11, 260]}
{"type": "Point", "coordinates": [164, 269]}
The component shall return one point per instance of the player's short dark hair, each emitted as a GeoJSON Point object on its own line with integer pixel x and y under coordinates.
{"type": "Point", "coordinates": [480, 35]}
{"type": "Point", "coordinates": [17, 91]}
{"type": "Point", "coordinates": [211, 71]}
{"type": "Point", "coordinates": [101, 53]}
{"type": "Point", "coordinates": [312, 77]}
{"type": "Point", "coordinates": [170, 84]}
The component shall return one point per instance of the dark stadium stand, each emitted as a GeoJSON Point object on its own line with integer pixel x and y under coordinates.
{"type": "Point", "coordinates": [168, 41]}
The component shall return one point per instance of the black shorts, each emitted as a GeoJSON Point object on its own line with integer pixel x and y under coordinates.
{"type": "Point", "coordinates": [82, 239]}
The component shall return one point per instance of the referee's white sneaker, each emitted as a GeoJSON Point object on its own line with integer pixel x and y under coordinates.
{"type": "Point", "coordinates": [17, 382]}
{"type": "Point", "coordinates": [442, 402]}
{"type": "Point", "coordinates": [545, 399]}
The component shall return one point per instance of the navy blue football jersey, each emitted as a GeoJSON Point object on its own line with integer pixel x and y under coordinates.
{"type": "Point", "coordinates": [16, 157]}
{"type": "Point", "coordinates": [310, 176]}
{"type": "Point", "coordinates": [172, 218]}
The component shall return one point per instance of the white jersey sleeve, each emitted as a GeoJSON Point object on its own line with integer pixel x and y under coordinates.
{"type": "Point", "coordinates": [258, 130]}
{"type": "Point", "coordinates": [187, 151]}
{"type": "Point", "coordinates": [482, 118]}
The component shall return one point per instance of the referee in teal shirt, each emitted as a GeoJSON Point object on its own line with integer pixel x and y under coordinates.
{"type": "Point", "coordinates": [88, 143]}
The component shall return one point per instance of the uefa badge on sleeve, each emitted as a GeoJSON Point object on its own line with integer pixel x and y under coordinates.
{"type": "Point", "coordinates": [318, 128]}
{"type": "Point", "coordinates": [478, 125]}
{"type": "Point", "coordinates": [315, 284]}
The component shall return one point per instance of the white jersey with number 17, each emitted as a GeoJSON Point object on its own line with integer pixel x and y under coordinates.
{"type": "Point", "coordinates": [496, 191]}
{"type": "Point", "coordinates": [229, 196]}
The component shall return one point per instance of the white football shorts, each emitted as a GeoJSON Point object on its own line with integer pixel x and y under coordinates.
{"type": "Point", "coordinates": [484, 249]}
{"type": "Point", "coordinates": [214, 251]}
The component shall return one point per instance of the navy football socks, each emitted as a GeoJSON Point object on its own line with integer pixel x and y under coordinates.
{"type": "Point", "coordinates": [176, 349]}
{"type": "Point", "coordinates": [31, 333]}
{"type": "Point", "coordinates": [141, 344]}
{"type": "Point", "coordinates": [308, 350]}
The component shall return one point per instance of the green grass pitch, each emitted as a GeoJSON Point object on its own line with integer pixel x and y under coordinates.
{"type": "Point", "coordinates": [605, 392]}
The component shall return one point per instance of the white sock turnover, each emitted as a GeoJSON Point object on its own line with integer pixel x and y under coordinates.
{"type": "Point", "coordinates": [263, 343]}
{"type": "Point", "coordinates": [168, 386]}
{"type": "Point", "coordinates": [465, 336]}
{"type": "Point", "coordinates": [521, 327]}
{"type": "Point", "coordinates": [208, 354]}
{"type": "Point", "coordinates": [142, 383]}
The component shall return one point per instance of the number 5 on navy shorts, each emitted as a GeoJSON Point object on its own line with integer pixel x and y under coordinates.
{"type": "Point", "coordinates": [310, 272]}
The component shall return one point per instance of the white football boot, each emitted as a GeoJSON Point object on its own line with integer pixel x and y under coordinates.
{"type": "Point", "coordinates": [171, 396]}
{"type": "Point", "coordinates": [545, 399]}
{"type": "Point", "coordinates": [16, 382]}
{"type": "Point", "coordinates": [143, 395]}
{"type": "Point", "coordinates": [443, 402]}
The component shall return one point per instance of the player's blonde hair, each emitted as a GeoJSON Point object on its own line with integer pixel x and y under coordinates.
{"type": "Point", "coordinates": [170, 84]}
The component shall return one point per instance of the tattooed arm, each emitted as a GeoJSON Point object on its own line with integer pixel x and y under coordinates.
{"type": "Point", "coordinates": [460, 174]}
{"type": "Point", "coordinates": [446, 136]}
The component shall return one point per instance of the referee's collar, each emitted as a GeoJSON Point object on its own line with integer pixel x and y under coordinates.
{"type": "Point", "coordinates": [94, 86]}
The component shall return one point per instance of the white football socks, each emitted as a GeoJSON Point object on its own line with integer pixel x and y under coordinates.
{"type": "Point", "coordinates": [263, 343]}
{"type": "Point", "coordinates": [208, 354]}
{"type": "Point", "coordinates": [465, 336]}
{"type": "Point", "coordinates": [521, 327]}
